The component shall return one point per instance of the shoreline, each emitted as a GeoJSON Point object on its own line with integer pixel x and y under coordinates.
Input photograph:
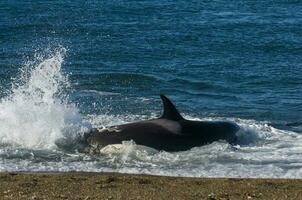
{"type": "Point", "coordinates": [90, 185]}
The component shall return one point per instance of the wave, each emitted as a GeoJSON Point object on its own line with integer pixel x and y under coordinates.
{"type": "Point", "coordinates": [263, 151]}
{"type": "Point", "coordinates": [100, 93]}
{"type": "Point", "coordinates": [36, 112]}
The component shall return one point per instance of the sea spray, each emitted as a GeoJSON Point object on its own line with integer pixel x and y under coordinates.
{"type": "Point", "coordinates": [36, 113]}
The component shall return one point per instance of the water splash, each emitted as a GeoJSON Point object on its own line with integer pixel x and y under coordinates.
{"type": "Point", "coordinates": [36, 113]}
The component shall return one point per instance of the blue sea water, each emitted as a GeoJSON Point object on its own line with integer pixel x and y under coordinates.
{"type": "Point", "coordinates": [70, 65]}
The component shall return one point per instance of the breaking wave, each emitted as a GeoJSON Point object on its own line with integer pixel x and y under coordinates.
{"type": "Point", "coordinates": [37, 113]}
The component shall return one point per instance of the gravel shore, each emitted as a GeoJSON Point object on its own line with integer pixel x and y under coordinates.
{"type": "Point", "coordinates": [78, 185]}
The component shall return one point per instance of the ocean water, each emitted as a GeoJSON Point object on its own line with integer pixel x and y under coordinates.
{"type": "Point", "coordinates": [68, 66]}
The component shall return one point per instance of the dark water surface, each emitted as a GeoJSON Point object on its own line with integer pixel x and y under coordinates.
{"type": "Point", "coordinates": [230, 58]}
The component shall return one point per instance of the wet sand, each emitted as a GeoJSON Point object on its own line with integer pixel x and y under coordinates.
{"type": "Point", "coordinates": [123, 186]}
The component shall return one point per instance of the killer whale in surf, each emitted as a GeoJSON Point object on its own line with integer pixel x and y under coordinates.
{"type": "Point", "coordinates": [170, 132]}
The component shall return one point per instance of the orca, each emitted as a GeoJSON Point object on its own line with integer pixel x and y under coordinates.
{"type": "Point", "coordinates": [170, 132]}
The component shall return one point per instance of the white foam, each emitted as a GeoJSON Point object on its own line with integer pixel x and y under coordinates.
{"type": "Point", "coordinates": [263, 151]}
{"type": "Point", "coordinates": [36, 113]}
{"type": "Point", "coordinates": [101, 93]}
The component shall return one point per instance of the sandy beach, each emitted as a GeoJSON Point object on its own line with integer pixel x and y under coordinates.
{"type": "Point", "coordinates": [124, 186]}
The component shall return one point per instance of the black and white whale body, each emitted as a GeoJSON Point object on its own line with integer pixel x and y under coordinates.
{"type": "Point", "coordinates": [171, 132]}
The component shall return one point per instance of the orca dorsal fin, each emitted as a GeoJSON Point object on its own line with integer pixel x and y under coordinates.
{"type": "Point", "coordinates": [170, 112]}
